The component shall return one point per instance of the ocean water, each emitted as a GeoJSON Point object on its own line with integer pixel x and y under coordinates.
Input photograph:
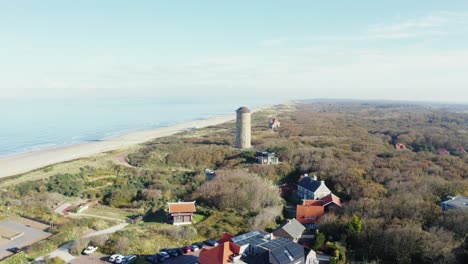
{"type": "Point", "coordinates": [27, 124]}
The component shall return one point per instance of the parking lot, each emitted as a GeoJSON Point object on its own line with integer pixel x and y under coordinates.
{"type": "Point", "coordinates": [30, 236]}
{"type": "Point", "coordinates": [99, 258]}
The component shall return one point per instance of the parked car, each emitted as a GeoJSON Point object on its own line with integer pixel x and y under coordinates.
{"type": "Point", "coordinates": [14, 250]}
{"type": "Point", "coordinates": [129, 259]}
{"type": "Point", "coordinates": [211, 242]}
{"type": "Point", "coordinates": [163, 255]}
{"type": "Point", "coordinates": [114, 257]}
{"type": "Point", "coordinates": [200, 245]}
{"type": "Point", "coordinates": [180, 251]}
{"type": "Point", "coordinates": [119, 259]}
{"type": "Point", "coordinates": [194, 248]}
{"type": "Point", "coordinates": [172, 252]}
{"type": "Point", "coordinates": [187, 249]}
{"type": "Point", "coordinates": [154, 259]}
{"type": "Point", "coordinates": [89, 250]}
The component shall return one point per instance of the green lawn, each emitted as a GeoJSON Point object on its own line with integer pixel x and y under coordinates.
{"type": "Point", "coordinates": [102, 210]}
{"type": "Point", "coordinates": [197, 218]}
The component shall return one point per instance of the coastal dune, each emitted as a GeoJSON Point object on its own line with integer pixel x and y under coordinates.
{"type": "Point", "coordinates": [22, 163]}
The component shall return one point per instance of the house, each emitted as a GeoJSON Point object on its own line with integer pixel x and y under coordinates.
{"type": "Point", "coordinates": [274, 123]}
{"type": "Point", "coordinates": [291, 230]}
{"type": "Point", "coordinates": [310, 212]}
{"type": "Point", "coordinates": [442, 151]}
{"type": "Point", "coordinates": [225, 237]}
{"type": "Point", "coordinates": [220, 254]}
{"type": "Point", "coordinates": [400, 146]}
{"type": "Point", "coordinates": [459, 150]}
{"type": "Point", "coordinates": [258, 247]}
{"type": "Point", "coordinates": [265, 157]}
{"type": "Point", "coordinates": [456, 202]}
{"type": "Point", "coordinates": [328, 202]}
{"type": "Point", "coordinates": [181, 213]}
{"type": "Point", "coordinates": [288, 189]}
{"type": "Point", "coordinates": [308, 215]}
{"type": "Point", "coordinates": [309, 188]}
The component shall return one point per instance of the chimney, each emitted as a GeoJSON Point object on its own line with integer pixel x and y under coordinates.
{"type": "Point", "coordinates": [271, 236]}
{"type": "Point", "coordinates": [315, 177]}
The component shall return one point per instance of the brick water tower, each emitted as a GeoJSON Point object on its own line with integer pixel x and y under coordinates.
{"type": "Point", "coordinates": [243, 134]}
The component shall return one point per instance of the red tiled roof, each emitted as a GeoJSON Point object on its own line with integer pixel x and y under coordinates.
{"type": "Point", "coordinates": [216, 255]}
{"type": "Point", "coordinates": [309, 214]}
{"type": "Point", "coordinates": [226, 237]}
{"type": "Point", "coordinates": [331, 198]}
{"type": "Point", "coordinates": [182, 207]}
{"type": "Point", "coordinates": [313, 202]}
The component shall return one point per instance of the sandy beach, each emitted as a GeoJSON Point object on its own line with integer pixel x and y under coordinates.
{"type": "Point", "coordinates": [21, 163]}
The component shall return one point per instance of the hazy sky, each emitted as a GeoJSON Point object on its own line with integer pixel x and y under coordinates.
{"type": "Point", "coordinates": [415, 50]}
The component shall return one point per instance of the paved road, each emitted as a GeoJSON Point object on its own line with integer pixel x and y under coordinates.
{"type": "Point", "coordinates": [96, 216]}
{"type": "Point", "coordinates": [109, 230]}
{"type": "Point", "coordinates": [63, 253]}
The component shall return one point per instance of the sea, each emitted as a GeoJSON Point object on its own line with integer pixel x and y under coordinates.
{"type": "Point", "coordinates": [35, 124]}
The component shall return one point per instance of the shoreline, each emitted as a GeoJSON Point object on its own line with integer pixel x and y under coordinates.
{"type": "Point", "coordinates": [25, 162]}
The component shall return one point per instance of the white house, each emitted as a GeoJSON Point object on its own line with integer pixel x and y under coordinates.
{"type": "Point", "coordinates": [309, 188]}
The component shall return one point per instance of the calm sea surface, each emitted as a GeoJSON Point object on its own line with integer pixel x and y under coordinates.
{"type": "Point", "coordinates": [27, 125]}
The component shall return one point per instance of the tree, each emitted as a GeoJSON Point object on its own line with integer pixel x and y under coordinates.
{"type": "Point", "coordinates": [355, 225]}
{"type": "Point", "coordinates": [319, 241]}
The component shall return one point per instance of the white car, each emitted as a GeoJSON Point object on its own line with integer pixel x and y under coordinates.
{"type": "Point", "coordinates": [119, 259]}
{"type": "Point", "coordinates": [89, 250]}
{"type": "Point", "coordinates": [114, 257]}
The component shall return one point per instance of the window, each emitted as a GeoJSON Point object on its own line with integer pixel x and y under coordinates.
{"type": "Point", "coordinates": [289, 255]}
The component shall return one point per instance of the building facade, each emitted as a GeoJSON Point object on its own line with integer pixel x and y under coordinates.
{"type": "Point", "coordinates": [181, 213]}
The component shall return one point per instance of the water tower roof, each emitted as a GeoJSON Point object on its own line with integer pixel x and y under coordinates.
{"type": "Point", "coordinates": [243, 109]}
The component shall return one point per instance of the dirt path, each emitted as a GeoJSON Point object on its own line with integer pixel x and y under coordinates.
{"type": "Point", "coordinates": [96, 216]}
{"type": "Point", "coordinates": [121, 159]}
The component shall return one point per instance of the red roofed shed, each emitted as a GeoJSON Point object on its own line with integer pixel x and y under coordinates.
{"type": "Point", "coordinates": [181, 213]}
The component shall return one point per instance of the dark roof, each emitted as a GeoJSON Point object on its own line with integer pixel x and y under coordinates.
{"type": "Point", "coordinates": [293, 228]}
{"type": "Point", "coordinates": [289, 252]}
{"type": "Point", "coordinates": [265, 154]}
{"type": "Point", "coordinates": [243, 109]}
{"type": "Point", "coordinates": [256, 237]}
{"type": "Point", "coordinates": [309, 184]}
{"type": "Point", "coordinates": [457, 202]}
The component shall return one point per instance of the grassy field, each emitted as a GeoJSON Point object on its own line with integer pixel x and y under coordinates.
{"type": "Point", "coordinates": [107, 211]}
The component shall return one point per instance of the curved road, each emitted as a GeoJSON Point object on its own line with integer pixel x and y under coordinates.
{"type": "Point", "coordinates": [62, 252]}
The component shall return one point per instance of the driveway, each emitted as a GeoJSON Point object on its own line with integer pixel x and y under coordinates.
{"type": "Point", "coordinates": [61, 252]}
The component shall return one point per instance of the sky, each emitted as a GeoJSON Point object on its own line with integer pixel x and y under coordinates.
{"type": "Point", "coordinates": [399, 50]}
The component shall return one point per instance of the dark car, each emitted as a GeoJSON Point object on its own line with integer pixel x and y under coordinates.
{"type": "Point", "coordinates": [14, 250]}
{"type": "Point", "coordinates": [187, 249]}
{"type": "Point", "coordinates": [153, 259]}
{"type": "Point", "coordinates": [179, 251]}
{"type": "Point", "coordinates": [163, 255]}
{"type": "Point", "coordinates": [129, 259]}
{"type": "Point", "coordinates": [200, 245]}
{"type": "Point", "coordinates": [172, 252]}
{"type": "Point", "coordinates": [211, 242]}
{"type": "Point", "coordinates": [194, 248]}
